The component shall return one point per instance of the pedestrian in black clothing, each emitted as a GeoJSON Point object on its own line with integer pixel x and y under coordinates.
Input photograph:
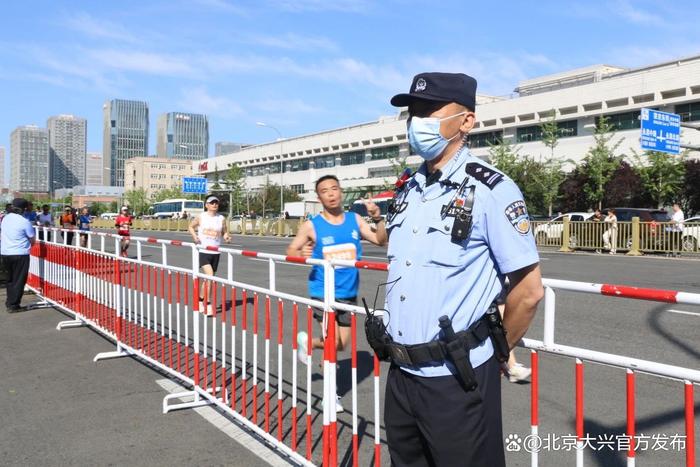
{"type": "Point", "coordinates": [16, 239]}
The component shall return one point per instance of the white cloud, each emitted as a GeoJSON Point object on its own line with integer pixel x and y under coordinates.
{"type": "Point", "coordinates": [288, 106]}
{"type": "Point", "coordinates": [345, 6]}
{"type": "Point", "coordinates": [198, 99]}
{"type": "Point", "coordinates": [97, 28]}
{"type": "Point", "coordinates": [144, 62]}
{"type": "Point", "coordinates": [221, 5]}
{"type": "Point", "coordinates": [634, 14]}
{"type": "Point", "coordinates": [292, 41]}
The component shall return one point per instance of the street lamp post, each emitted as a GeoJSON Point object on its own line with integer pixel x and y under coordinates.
{"type": "Point", "coordinates": [280, 139]}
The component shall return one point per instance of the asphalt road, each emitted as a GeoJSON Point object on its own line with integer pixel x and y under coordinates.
{"type": "Point", "coordinates": [61, 370]}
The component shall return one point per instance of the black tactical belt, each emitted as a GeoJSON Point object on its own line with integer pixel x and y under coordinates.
{"type": "Point", "coordinates": [435, 351]}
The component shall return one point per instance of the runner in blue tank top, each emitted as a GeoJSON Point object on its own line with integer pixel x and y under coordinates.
{"type": "Point", "coordinates": [335, 234]}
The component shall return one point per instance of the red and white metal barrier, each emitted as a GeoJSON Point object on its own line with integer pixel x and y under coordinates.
{"type": "Point", "coordinates": [152, 311]}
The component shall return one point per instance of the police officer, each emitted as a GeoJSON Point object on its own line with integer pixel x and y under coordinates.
{"type": "Point", "coordinates": [457, 228]}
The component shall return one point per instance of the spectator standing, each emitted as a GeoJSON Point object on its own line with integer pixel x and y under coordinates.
{"type": "Point", "coordinates": [677, 230]}
{"type": "Point", "coordinates": [84, 226]}
{"type": "Point", "coordinates": [123, 224]}
{"type": "Point", "coordinates": [16, 239]}
{"type": "Point", "coordinates": [30, 214]}
{"type": "Point", "coordinates": [68, 221]}
{"type": "Point", "coordinates": [45, 219]}
{"type": "Point", "coordinates": [610, 235]}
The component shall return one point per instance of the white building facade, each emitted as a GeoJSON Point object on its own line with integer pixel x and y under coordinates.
{"type": "Point", "coordinates": [363, 155]}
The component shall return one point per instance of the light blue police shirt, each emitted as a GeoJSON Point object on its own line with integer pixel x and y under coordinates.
{"type": "Point", "coordinates": [435, 276]}
{"type": "Point", "coordinates": [16, 232]}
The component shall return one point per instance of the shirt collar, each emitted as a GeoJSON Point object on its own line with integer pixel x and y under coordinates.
{"type": "Point", "coordinates": [452, 167]}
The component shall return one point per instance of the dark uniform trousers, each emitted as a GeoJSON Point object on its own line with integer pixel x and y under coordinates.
{"type": "Point", "coordinates": [435, 422]}
{"type": "Point", "coordinates": [17, 271]}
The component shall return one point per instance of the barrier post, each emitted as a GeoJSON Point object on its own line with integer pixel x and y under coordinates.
{"type": "Point", "coordinates": [689, 425]}
{"type": "Point", "coordinates": [634, 251]}
{"type": "Point", "coordinates": [534, 403]}
{"type": "Point", "coordinates": [630, 417]}
{"type": "Point", "coordinates": [579, 413]}
{"type": "Point", "coordinates": [549, 314]}
{"type": "Point", "coordinates": [566, 236]}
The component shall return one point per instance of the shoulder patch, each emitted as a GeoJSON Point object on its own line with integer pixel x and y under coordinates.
{"type": "Point", "coordinates": [517, 215]}
{"type": "Point", "coordinates": [485, 175]}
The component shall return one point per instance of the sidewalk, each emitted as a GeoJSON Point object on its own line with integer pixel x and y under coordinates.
{"type": "Point", "coordinates": [60, 408]}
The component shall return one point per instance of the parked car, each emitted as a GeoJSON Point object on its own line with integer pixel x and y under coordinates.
{"type": "Point", "coordinates": [691, 234]}
{"type": "Point", "coordinates": [549, 232]}
{"type": "Point", "coordinates": [654, 238]}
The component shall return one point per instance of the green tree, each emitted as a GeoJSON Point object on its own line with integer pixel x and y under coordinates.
{"type": "Point", "coordinates": [690, 194]}
{"type": "Point", "coordinates": [267, 199]}
{"type": "Point", "coordinates": [114, 206]}
{"type": "Point", "coordinates": [600, 161]}
{"type": "Point", "coordinates": [551, 172]}
{"type": "Point", "coordinates": [98, 208]}
{"type": "Point", "coordinates": [235, 187]}
{"type": "Point", "coordinates": [505, 157]}
{"type": "Point", "coordinates": [137, 199]}
{"type": "Point", "coordinates": [662, 175]}
{"type": "Point", "coordinates": [172, 193]}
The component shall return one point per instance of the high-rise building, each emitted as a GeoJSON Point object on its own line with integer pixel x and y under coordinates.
{"type": "Point", "coordinates": [227, 147]}
{"type": "Point", "coordinates": [29, 159]}
{"type": "Point", "coordinates": [183, 136]}
{"type": "Point", "coordinates": [95, 174]}
{"type": "Point", "coordinates": [2, 167]}
{"type": "Point", "coordinates": [67, 141]}
{"type": "Point", "coordinates": [125, 136]}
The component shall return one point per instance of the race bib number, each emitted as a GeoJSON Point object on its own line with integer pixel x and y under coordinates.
{"type": "Point", "coordinates": [344, 251]}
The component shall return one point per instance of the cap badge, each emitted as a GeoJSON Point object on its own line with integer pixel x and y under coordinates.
{"type": "Point", "coordinates": [420, 85]}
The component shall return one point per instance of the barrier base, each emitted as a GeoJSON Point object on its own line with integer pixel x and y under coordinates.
{"type": "Point", "coordinates": [196, 402]}
{"type": "Point", "coordinates": [73, 323]}
{"type": "Point", "coordinates": [108, 355]}
{"type": "Point", "coordinates": [39, 305]}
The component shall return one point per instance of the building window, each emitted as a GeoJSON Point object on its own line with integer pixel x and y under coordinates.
{"type": "Point", "coordinates": [387, 152]}
{"type": "Point", "coordinates": [525, 134]}
{"type": "Point", "coordinates": [529, 133]}
{"type": "Point", "coordinates": [480, 140]}
{"type": "Point", "coordinates": [689, 112]}
{"type": "Point", "coordinates": [324, 162]}
{"type": "Point", "coordinates": [623, 121]}
{"type": "Point", "coordinates": [297, 188]}
{"type": "Point", "coordinates": [352, 158]}
{"type": "Point", "coordinates": [299, 165]}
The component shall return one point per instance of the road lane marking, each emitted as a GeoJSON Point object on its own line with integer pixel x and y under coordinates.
{"type": "Point", "coordinates": [681, 312]}
{"type": "Point", "coordinates": [229, 428]}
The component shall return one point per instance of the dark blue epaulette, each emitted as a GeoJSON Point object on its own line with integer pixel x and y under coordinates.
{"type": "Point", "coordinates": [485, 175]}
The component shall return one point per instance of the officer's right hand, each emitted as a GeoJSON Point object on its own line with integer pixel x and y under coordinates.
{"type": "Point", "coordinates": [307, 249]}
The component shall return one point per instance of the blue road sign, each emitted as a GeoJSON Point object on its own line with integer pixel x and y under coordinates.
{"type": "Point", "coordinates": [196, 185]}
{"type": "Point", "coordinates": [661, 131]}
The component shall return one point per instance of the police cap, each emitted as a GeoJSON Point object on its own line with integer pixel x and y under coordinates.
{"type": "Point", "coordinates": [440, 87]}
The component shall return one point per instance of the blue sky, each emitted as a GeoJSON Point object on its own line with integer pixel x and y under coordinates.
{"type": "Point", "coordinates": [304, 65]}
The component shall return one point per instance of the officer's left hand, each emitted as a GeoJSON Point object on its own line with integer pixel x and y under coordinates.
{"type": "Point", "coordinates": [227, 237]}
{"type": "Point", "coordinates": [373, 210]}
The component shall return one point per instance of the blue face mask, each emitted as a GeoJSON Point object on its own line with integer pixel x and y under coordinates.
{"type": "Point", "coordinates": [425, 138]}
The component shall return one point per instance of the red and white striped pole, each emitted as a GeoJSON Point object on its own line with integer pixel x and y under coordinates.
{"type": "Point", "coordinates": [579, 413]}
{"type": "Point", "coordinates": [295, 350]}
{"type": "Point", "coordinates": [630, 418]}
{"type": "Point", "coordinates": [267, 364]}
{"type": "Point", "coordinates": [244, 371]}
{"type": "Point", "coordinates": [353, 352]}
{"type": "Point", "coordinates": [689, 425]}
{"type": "Point", "coordinates": [255, 357]}
{"type": "Point", "coordinates": [280, 380]}
{"type": "Point", "coordinates": [534, 403]}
